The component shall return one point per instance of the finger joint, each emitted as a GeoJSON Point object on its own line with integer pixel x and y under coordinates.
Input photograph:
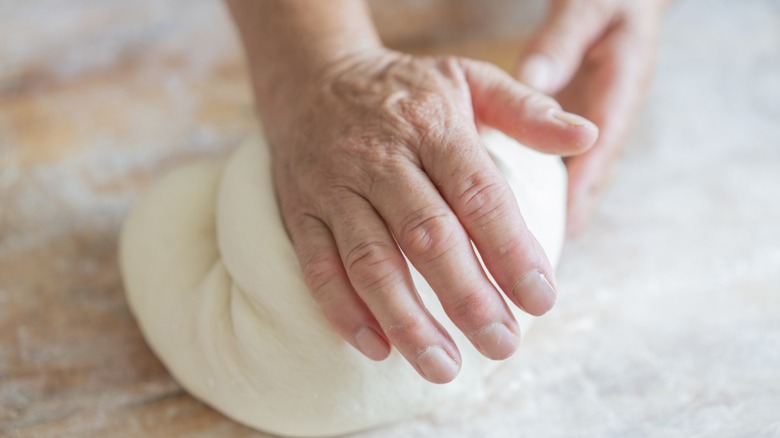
{"type": "Point", "coordinates": [482, 199]}
{"type": "Point", "coordinates": [428, 234]}
{"type": "Point", "coordinates": [319, 272]}
{"type": "Point", "coordinates": [370, 264]}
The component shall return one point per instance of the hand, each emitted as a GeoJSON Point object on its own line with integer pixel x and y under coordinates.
{"type": "Point", "coordinates": [379, 151]}
{"type": "Point", "coordinates": [596, 57]}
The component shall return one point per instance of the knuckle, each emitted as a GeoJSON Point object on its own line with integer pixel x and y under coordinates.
{"type": "Point", "coordinates": [448, 63]}
{"type": "Point", "coordinates": [442, 101]}
{"type": "Point", "coordinates": [336, 194]}
{"type": "Point", "coordinates": [360, 169]}
{"type": "Point", "coordinates": [453, 68]}
{"type": "Point", "coordinates": [317, 183]}
{"type": "Point", "coordinates": [482, 198]}
{"type": "Point", "coordinates": [429, 233]}
{"type": "Point", "coordinates": [369, 265]}
{"type": "Point", "coordinates": [444, 138]}
{"type": "Point", "coordinates": [351, 170]}
{"type": "Point", "coordinates": [469, 311]}
{"type": "Point", "coordinates": [435, 136]}
{"type": "Point", "coordinates": [319, 272]}
{"type": "Point", "coordinates": [423, 108]}
{"type": "Point", "coordinates": [406, 330]}
{"type": "Point", "coordinates": [339, 185]}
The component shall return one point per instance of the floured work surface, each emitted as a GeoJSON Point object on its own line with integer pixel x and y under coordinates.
{"type": "Point", "coordinates": [669, 319]}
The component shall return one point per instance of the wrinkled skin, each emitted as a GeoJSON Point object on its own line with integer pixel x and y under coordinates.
{"type": "Point", "coordinates": [377, 152]}
{"type": "Point", "coordinates": [385, 154]}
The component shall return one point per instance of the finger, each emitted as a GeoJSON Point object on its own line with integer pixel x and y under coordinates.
{"type": "Point", "coordinates": [483, 202]}
{"type": "Point", "coordinates": [589, 175]}
{"type": "Point", "coordinates": [525, 114]}
{"type": "Point", "coordinates": [431, 236]}
{"type": "Point", "coordinates": [556, 50]}
{"type": "Point", "coordinates": [609, 89]}
{"type": "Point", "coordinates": [330, 287]}
{"type": "Point", "coordinates": [378, 272]}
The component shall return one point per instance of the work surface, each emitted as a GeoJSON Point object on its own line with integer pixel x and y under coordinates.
{"type": "Point", "coordinates": [668, 322]}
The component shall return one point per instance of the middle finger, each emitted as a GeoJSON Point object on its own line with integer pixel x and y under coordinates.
{"type": "Point", "coordinates": [431, 236]}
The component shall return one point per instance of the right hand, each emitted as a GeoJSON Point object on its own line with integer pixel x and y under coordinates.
{"type": "Point", "coordinates": [379, 151]}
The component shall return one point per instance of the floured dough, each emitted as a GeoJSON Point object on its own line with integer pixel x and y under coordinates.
{"type": "Point", "coordinates": [217, 290]}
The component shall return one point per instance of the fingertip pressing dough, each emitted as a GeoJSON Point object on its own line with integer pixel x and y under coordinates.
{"type": "Point", "coordinates": [215, 285]}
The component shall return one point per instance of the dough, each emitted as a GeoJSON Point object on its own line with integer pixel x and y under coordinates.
{"type": "Point", "coordinates": [215, 285]}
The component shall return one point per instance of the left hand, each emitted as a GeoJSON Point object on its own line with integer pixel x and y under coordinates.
{"type": "Point", "coordinates": [596, 57]}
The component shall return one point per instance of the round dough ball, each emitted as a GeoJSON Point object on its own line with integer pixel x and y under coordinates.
{"type": "Point", "coordinates": [215, 285]}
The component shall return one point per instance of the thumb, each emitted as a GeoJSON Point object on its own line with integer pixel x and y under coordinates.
{"type": "Point", "coordinates": [556, 50]}
{"type": "Point", "coordinates": [528, 116]}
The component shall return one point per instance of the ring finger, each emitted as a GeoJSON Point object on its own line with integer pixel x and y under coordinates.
{"type": "Point", "coordinates": [378, 272]}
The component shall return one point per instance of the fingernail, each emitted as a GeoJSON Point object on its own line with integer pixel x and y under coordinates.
{"type": "Point", "coordinates": [437, 366]}
{"type": "Point", "coordinates": [371, 344]}
{"type": "Point", "coordinates": [537, 72]}
{"type": "Point", "coordinates": [496, 341]}
{"type": "Point", "coordinates": [535, 293]}
{"type": "Point", "coordinates": [571, 120]}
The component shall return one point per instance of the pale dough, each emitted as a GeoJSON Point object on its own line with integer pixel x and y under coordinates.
{"type": "Point", "coordinates": [215, 285]}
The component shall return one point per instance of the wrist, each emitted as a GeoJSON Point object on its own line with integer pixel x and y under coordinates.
{"type": "Point", "coordinates": [290, 43]}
